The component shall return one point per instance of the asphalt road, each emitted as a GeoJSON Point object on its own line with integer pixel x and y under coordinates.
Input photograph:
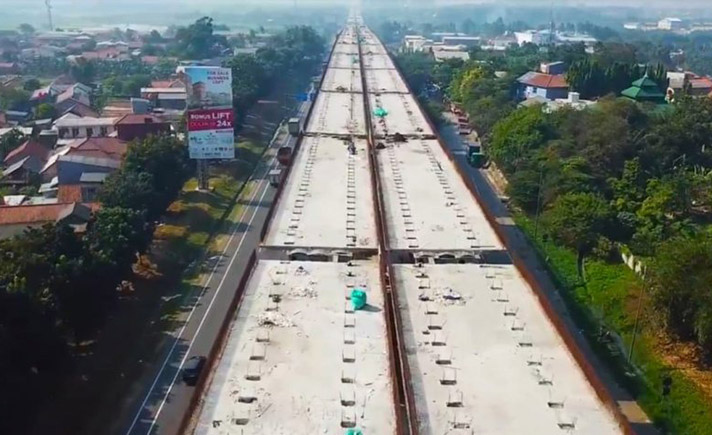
{"type": "Point", "coordinates": [166, 398]}
{"type": "Point", "coordinates": [516, 240]}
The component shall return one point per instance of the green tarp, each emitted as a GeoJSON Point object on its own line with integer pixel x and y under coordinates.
{"type": "Point", "coordinates": [358, 298]}
{"type": "Point", "coordinates": [380, 112]}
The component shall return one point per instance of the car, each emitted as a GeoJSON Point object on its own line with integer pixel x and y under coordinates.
{"type": "Point", "coordinates": [192, 369]}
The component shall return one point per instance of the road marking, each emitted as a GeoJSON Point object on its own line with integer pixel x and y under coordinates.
{"type": "Point", "coordinates": [205, 315]}
{"type": "Point", "coordinates": [190, 315]}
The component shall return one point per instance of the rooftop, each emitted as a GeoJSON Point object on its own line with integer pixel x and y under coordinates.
{"type": "Point", "coordinates": [540, 80]}
{"type": "Point", "coordinates": [327, 201]}
{"type": "Point", "coordinates": [483, 354]}
{"type": "Point", "coordinates": [72, 122]}
{"type": "Point", "coordinates": [307, 364]}
{"type": "Point", "coordinates": [35, 214]}
{"type": "Point", "coordinates": [29, 148]}
{"type": "Point", "coordinates": [132, 119]}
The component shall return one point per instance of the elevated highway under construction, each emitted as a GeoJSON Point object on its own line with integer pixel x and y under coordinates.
{"type": "Point", "coordinates": [452, 339]}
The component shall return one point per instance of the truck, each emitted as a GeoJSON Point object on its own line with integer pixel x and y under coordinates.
{"type": "Point", "coordinates": [294, 126]}
{"type": "Point", "coordinates": [275, 177]}
{"type": "Point", "coordinates": [475, 157]}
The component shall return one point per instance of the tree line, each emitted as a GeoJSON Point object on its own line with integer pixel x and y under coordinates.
{"type": "Point", "coordinates": [294, 53]}
{"type": "Point", "coordinates": [57, 287]}
{"type": "Point", "coordinates": [621, 174]}
{"type": "Point", "coordinates": [615, 176]}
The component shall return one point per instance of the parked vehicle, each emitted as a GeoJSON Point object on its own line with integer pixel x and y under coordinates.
{"type": "Point", "coordinates": [192, 369]}
{"type": "Point", "coordinates": [284, 155]}
{"type": "Point", "coordinates": [294, 126]}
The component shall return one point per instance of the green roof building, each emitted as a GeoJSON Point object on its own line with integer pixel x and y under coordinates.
{"type": "Point", "coordinates": [644, 90]}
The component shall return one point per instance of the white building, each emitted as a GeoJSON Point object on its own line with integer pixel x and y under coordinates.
{"type": "Point", "coordinates": [670, 24]}
{"type": "Point", "coordinates": [416, 43]}
{"type": "Point", "coordinates": [532, 37]}
{"type": "Point", "coordinates": [71, 126]}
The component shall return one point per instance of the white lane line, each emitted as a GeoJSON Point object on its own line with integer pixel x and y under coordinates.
{"type": "Point", "coordinates": [190, 315]}
{"type": "Point", "coordinates": [205, 316]}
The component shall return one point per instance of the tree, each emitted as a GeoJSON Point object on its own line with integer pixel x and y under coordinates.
{"type": "Point", "coordinates": [45, 111]}
{"type": "Point", "coordinates": [31, 85]}
{"type": "Point", "coordinates": [83, 71]}
{"type": "Point", "coordinates": [679, 278]}
{"type": "Point", "coordinates": [132, 86]}
{"type": "Point", "coordinates": [416, 67]}
{"type": "Point", "coordinates": [153, 172]}
{"type": "Point", "coordinates": [154, 37]}
{"type": "Point", "coordinates": [13, 99]}
{"type": "Point", "coordinates": [26, 29]}
{"type": "Point", "coordinates": [128, 189]}
{"type": "Point", "coordinates": [198, 40]}
{"type": "Point", "coordinates": [577, 220]}
{"type": "Point", "coordinates": [114, 238]}
{"type": "Point", "coordinates": [464, 82]}
{"type": "Point", "coordinates": [515, 136]}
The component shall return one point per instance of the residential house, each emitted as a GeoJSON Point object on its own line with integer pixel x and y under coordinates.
{"type": "Point", "coordinates": [17, 117]}
{"type": "Point", "coordinates": [82, 111]}
{"type": "Point", "coordinates": [670, 23]}
{"type": "Point", "coordinates": [11, 82]}
{"type": "Point", "coordinates": [174, 98]}
{"type": "Point", "coordinates": [553, 68]}
{"type": "Point", "coordinates": [415, 43]}
{"type": "Point", "coordinates": [688, 83]}
{"type": "Point", "coordinates": [445, 52]}
{"type": "Point", "coordinates": [99, 147]}
{"type": "Point", "coordinates": [537, 37]}
{"type": "Point", "coordinates": [21, 173]}
{"type": "Point", "coordinates": [71, 167]}
{"type": "Point", "coordinates": [30, 148]}
{"type": "Point", "coordinates": [549, 86]}
{"type": "Point", "coordinates": [467, 41]}
{"type": "Point", "coordinates": [14, 220]}
{"type": "Point", "coordinates": [77, 94]}
{"type": "Point", "coordinates": [71, 126]}
{"type": "Point", "coordinates": [249, 51]}
{"type": "Point", "coordinates": [42, 51]}
{"type": "Point", "coordinates": [573, 101]}
{"type": "Point", "coordinates": [9, 68]}
{"type": "Point", "coordinates": [132, 127]}
{"type": "Point", "coordinates": [500, 43]}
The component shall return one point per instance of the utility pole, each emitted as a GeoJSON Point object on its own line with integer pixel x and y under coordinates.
{"type": "Point", "coordinates": [637, 320]}
{"type": "Point", "coordinates": [49, 14]}
{"type": "Point", "coordinates": [538, 203]}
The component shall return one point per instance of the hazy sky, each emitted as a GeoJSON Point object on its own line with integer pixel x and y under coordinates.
{"type": "Point", "coordinates": [164, 12]}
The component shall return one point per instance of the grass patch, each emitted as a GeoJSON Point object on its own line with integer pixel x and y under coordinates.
{"type": "Point", "coordinates": [604, 307]}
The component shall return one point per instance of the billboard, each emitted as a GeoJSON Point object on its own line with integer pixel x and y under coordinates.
{"type": "Point", "coordinates": [208, 87]}
{"type": "Point", "coordinates": [210, 116]}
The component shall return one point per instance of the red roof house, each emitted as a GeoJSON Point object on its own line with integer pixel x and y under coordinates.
{"type": "Point", "coordinates": [30, 148]}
